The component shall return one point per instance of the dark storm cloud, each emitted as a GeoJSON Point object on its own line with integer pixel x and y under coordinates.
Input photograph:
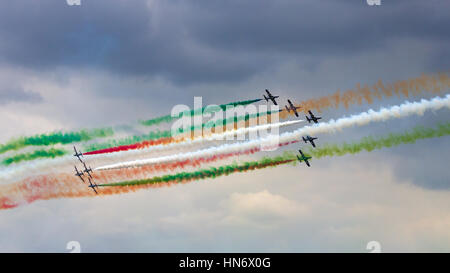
{"type": "Point", "coordinates": [208, 41]}
{"type": "Point", "coordinates": [8, 95]}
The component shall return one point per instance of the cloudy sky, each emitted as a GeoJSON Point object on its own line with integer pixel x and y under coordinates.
{"type": "Point", "coordinates": [114, 62]}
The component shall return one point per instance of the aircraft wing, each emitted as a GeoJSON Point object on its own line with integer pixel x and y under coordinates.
{"type": "Point", "coordinates": [307, 163]}
{"type": "Point", "coordinates": [290, 104]}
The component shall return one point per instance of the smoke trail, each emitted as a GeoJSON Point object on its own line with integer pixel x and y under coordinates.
{"type": "Point", "coordinates": [47, 187]}
{"type": "Point", "coordinates": [62, 185]}
{"type": "Point", "coordinates": [371, 143]}
{"type": "Point", "coordinates": [366, 143]}
{"type": "Point", "coordinates": [169, 118]}
{"type": "Point", "coordinates": [212, 172]}
{"type": "Point", "coordinates": [153, 138]}
{"type": "Point", "coordinates": [109, 160]}
{"type": "Point", "coordinates": [86, 135]}
{"type": "Point", "coordinates": [176, 143]}
{"type": "Point", "coordinates": [54, 138]}
{"type": "Point", "coordinates": [51, 153]}
{"type": "Point", "coordinates": [414, 86]}
{"type": "Point", "coordinates": [166, 137]}
{"type": "Point", "coordinates": [145, 171]}
{"type": "Point", "coordinates": [224, 122]}
{"type": "Point", "coordinates": [363, 118]}
{"type": "Point", "coordinates": [43, 187]}
{"type": "Point", "coordinates": [64, 163]}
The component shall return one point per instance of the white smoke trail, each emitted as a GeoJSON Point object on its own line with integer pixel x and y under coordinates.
{"type": "Point", "coordinates": [403, 110]}
{"type": "Point", "coordinates": [66, 163]}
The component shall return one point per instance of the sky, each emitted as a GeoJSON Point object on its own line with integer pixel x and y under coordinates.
{"type": "Point", "coordinates": [106, 63]}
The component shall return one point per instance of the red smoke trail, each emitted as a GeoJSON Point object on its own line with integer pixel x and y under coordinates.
{"type": "Point", "coordinates": [132, 173]}
{"type": "Point", "coordinates": [140, 145]}
{"type": "Point", "coordinates": [168, 140]}
{"type": "Point", "coordinates": [45, 187]}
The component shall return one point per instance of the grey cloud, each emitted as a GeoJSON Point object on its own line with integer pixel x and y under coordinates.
{"type": "Point", "coordinates": [301, 49]}
{"type": "Point", "coordinates": [207, 41]}
{"type": "Point", "coordinates": [346, 206]}
{"type": "Point", "coordinates": [307, 26]}
{"type": "Point", "coordinates": [18, 95]}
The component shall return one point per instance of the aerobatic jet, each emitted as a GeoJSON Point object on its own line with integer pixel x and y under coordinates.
{"type": "Point", "coordinates": [312, 118]}
{"type": "Point", "coordinates": [79, 174]}
{"type": "Point", "coordinates": [78, 154]}
{"type": "Point", "coordinates": [87, 170]}
{"type": "Point", "coordinates": [270, 97]}
{"type": "Point", "coordinates": [292, 108]}
{"type": "Point", "coordinates": [310, 139]}
{"type": "Point", "coordinates": [303, 158]}
{"type": "Point", "coordinates": [93, 185]}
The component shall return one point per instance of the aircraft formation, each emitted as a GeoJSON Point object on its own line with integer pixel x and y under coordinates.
{"type": "Point", "coordinates": [86, 172]}
{"type": "Point", "coordinates": [310, 118]}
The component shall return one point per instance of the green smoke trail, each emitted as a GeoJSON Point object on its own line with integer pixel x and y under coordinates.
{"type": "Point", "coordinates": [168, 133]}
{"type": "Point", "coordinates": [51, 153]}
{"type": "Point", "coordinates": [367, 143]}
{"type": "Point", "coordinates": [86, 135]}
{"type": "Point", "coordinates": [371, 143]}
{"type": "Point", "coordinates": [127, 141]}
{"type": "Point", "coordinates": [223, 122]}
{"type": "Point", "coordinates": [169, 118]}
{"type": "Point", "coordinates": [213, 172]}
{"type": "Point", "coordinates": [55, 138]}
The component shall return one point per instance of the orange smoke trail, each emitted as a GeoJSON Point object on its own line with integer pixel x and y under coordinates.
{"type": "Point", "coordinates": [132, 173]}
{"type": "Point", "coordinates": [191, 135]}
{"type": "Point", "coordinates": [46, 187]}
{"type": "Point", "coordinates": [406, 88]}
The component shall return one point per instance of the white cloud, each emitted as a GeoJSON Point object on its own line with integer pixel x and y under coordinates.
{"type": "Point", "coordinates": [261, 209]}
